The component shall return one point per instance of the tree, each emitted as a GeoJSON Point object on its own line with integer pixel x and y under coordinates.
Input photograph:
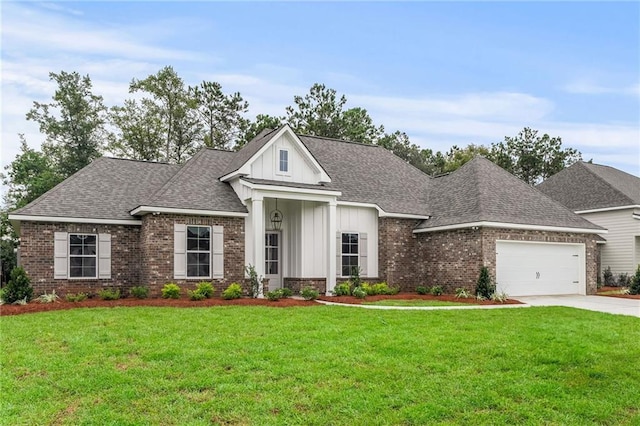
{"type": "Point", "coordinates": [357, 126]}
{"type": "Point", "coordinates": [73, 123]}
{"type": "Point", "coordinates": [533, 158]}
{"type": "Point", "coordinates": [318, 113]}
{"type": "Point", "coordinates": [140, 131]}
{"type": "Point", "coordinates": [456, 157]}
{"type": "Point", "coordinates": [174, 109]}
{"type": "Point", "coordinates": [219, 113]}
{"type": "Point", "coordinates": [252, 128]}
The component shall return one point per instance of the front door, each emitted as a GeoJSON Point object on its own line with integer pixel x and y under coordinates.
{"type": "Point", "coordinates": [272, 266]}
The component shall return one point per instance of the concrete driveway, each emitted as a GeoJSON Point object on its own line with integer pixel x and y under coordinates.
{"type": "Point", "coordinates": [611, 305]}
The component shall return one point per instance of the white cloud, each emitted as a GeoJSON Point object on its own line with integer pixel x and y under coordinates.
{"type": "Point", "coordinates": [585, 86]}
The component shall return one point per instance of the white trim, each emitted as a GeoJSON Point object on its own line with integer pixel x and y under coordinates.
{"type": "Point", "coordinates": [510, 226]}
{"type": "Point", "coordinates": [151, 209]}
{"type": "Point", "coordinates": [278, 162]}
{"type": "Point", "coordinates": [635, 216]}
{"type": "Point", "coordinates": [187, 251]}
{"type": "Point", "coordinates": [606, 209]}
{"type": "Point", "coordinates": [281, 188]}
{"type": "Point", "coordinates": [245, 168]}
{"type": "Point", "coordinates": [69, 256]}
{"type": "Point", "coordinates": [382, 213]}
{"type": "Point", "coordinates": [342, 254]}
{"type": "Point", "coordinates": [25, 218]}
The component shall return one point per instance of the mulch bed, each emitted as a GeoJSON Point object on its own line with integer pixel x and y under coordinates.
{"type": "Point", "coordinates": [413, 296]}
{"type": "Point", "coordinates": [623, 296]}
{"type": "Point", "coordinates": [175, 303]}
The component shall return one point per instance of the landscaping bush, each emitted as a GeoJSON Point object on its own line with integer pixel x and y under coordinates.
{"type": "Point", "coordinates": [342, 289]}
{"type": "Point", "coordinates": [359, 292]}
{"type": "Point", "coordinates": [624, 280]}
{"type": "Point", "coordinates": [18, 287]}
{"type": "Point", "coordinates": [256, 282]}
{"type": "Point", "coordinates": [383, 288]}
{"type": "Point", "coordinates": [499, 297]}
{"type": "Point", "coordinates": [109, 294]}
{"type": "Point", "coordinates": [196, 295]}
{"type": "Point", "coordinates": [205, 288]}
{"type": "Point", "coordinates": [309, 293]}
{"type": "Point", "coordinates": [422, 290]}
{"type": "Point", "coordinates": [2, 293]}
{"type": "Point", "coordinates": [462, 293]}
{"type": "Point", "coordinates": [234, 291]}
{"type": "Point", "coordinates": [634, 288]}
{"type": "Point", "coordinates": [48, 298]}
{"type": "Point", "coordinates": [139, 292]}
{"type": "Point", "coordinates": [286, 292]}
{"type": "Point", "coordinates": [354, 278]}
{"type": "Point", "coordinates": [436, 290]}
{"type": "Point", "coordinates": [274, 295]}
{"type": "Point", "coordinates": [608, 278]}
{"type": "Point", "coordinates": [484, 287]}
{"type": "Point", "coordinates": [79, 297]}
{"type": "Point", "coordinates": [171, 291]}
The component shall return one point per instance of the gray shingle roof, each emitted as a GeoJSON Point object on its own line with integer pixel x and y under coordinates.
{"type": "Point", "coordinates": [249, 150]}
{"type": "Point", "coordinates": [481, 191]}
{"type": "Point", "coordinates": [371, 174]}
{"type": "Point", "coordinates": [318, 187]}
{"type": "Point", "coordinates": [108, 188]}
{"type": "Point", "coordinates": [585, 186]}
{"type": "Point", "coordinates": [196, 185]}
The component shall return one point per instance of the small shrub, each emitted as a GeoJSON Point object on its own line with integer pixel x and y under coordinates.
{"type": "Point", "coordinates": [255, 280]}
{"type": "Point", "coordinates": [206, 288]}
{"type": "Point", "coordinates": [2, 296]}
{"type": "Point", "coordinates": [436, 290]}
{"type": "Point", "coordinates": [109, 294]}
{"type": "Point", "coordinates": [234, 291]}
{"type": "Point", "coordinates": [274, 295]}
{"type": "Point", "coordinates": [20, 301]}
{"type": "Point", "coordinates": [79, 297]}
{"type": "Point", "coordinates": [359, 292]}
{"type": "Point", "coordinates": [286, 292]}
{"type": "Point", "coordinates": [499, 297]}
{"type": "Point", "coordinates": [18, 287]}
{"type": "Point", "coordinates": [368, 288]}
{"type": "Point", "coordinates": [48, 298]}
{"type": "Point", "coordinates": [139, 292]}
{"type": "Point", "coordinates": [309, 293]}
{"type": "Point", "coordinates": [196, 295]}
{"type": "Point", "coordinates": [634, 287]}
{"type": "Point", "coordinates": [484, 287]}
{"type": "Point", "coordinates": [422, 290]}
{"type": "Point", "coordinates": [608, 278]}
{"type": "Point", "coordinates": [171, 291]}
{"type": "Point", "coordinates": [342, 289]}
{"type": "Point", "coordinates": [463, 293]}
{"type": "Point", "coordinates": [383, 288]}
{"type": "Point", "coordinates": [354, 278]}
{"type": "Point", "coordinates": [624, 280]}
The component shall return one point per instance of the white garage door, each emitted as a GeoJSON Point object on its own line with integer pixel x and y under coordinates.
{"type": "Point", "coordinates": [533, 269]}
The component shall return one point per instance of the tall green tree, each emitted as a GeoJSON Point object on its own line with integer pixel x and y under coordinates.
{"type": "Point", "coordinates": [531, 157]}
{"type": "Point", "coordinates": [73, 124]}
{"type": "Point", "coordinates": [139, 131]}
{"type": "Point", "coordinates": [252, 128]}
{"type": "Point", "coordinates": [318, 113]}
{"type": "Point", "coordinates": [220, 114]}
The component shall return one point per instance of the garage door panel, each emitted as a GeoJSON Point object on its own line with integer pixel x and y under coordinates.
{"type": "Point", "coordinates": [527, 269]}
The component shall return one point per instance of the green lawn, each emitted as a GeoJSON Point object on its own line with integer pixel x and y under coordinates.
{"type": "Point", "coordinates": [414, 302]}
{"type": "Point", "coordinates": [319, 365]}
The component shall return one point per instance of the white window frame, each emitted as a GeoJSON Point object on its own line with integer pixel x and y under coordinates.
{"type": "Point", "coordinates": [356, 255]}
{"type": "Point", "coordinates": [187, 252]}
{"type": "Point", "coordinates": [279, 171]}
{"type": "Point", "coordinates": [69, 256]}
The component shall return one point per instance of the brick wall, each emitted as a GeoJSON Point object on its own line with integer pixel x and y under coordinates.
{"type": "Point", "coordinates": [399, 261]}
{"type": "Point", "coordinates": [297, 284]}
{"type": "Point", "coordinates": [37, 255]}
{"type": "Point", "coordinates": [156, 246]}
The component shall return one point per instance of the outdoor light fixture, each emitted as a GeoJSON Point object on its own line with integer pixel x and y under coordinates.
{"type": "Point", "coordinates": [276, 218]}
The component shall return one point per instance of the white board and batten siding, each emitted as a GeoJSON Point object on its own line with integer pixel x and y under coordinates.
{"type": "Point", "coordinates": [622, 249]}
{"type": "Point", "coordinates": [535, 269]}
{"type": "Point", "coordinates": [364, 221]}
{"type": "Point", "coordinates": [300, 170]}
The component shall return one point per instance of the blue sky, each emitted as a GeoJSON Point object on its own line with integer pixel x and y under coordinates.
{"type": "Point", "coordinates": [445, 73]}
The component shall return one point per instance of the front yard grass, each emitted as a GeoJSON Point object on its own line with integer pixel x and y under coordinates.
{"type": "Point", "coordinates": [319, 365]}
{"type": "Point", "coordinates": [413, 302]}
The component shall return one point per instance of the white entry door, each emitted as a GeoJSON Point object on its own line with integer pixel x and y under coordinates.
{"type": "Point", "coordinates": [272, 254]}
{"type": "Point", "coordinates": [537, 269]}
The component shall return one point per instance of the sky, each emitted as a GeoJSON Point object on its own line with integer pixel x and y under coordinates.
{"type": "Point", "coordinates": [447, 74]}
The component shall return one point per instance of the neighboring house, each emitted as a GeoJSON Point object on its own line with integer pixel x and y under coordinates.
{"type": "Point", "coordinates": [607, 197]}
{"type": "Point", "coordinates": [303, 210]}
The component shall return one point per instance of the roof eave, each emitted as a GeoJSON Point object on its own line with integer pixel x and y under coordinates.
{"type": "Point", "coordinates": [144, 210]}
{"type": "Point", "coordinates": [489, 224]}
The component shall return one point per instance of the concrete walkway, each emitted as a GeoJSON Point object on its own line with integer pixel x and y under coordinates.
{"type": "Point", "coordinates": [611, 305]}
{"type": "Point", "coordinates": [421, 308]}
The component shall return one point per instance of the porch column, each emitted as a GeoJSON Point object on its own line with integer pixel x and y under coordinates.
{"type": "Point", "coordinates": [257, 221]}
{"type": "Point", "coordinates": [331, 245]}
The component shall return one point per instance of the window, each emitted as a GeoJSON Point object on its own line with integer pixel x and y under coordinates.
{"type": "Point", "coordinates": [283, 163]}
{"type": "Point", "coordinates": [82, 256]}
{"type": "Point", "coordinates": [271, 260]}
{"type": "Point", "coordinates": [198, 251]}
{"type": "Point", "coordinates": [349, 253]}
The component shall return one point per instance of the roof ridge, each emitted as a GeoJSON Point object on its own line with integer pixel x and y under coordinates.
{"type": "Point", "coordinates": [606, 182]}
{"type": "Point", "coordinates": [175, 176]}
{"type": "Point", "coordinates": [108, 157]}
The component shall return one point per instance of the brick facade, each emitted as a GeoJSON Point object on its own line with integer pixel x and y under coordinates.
{"type": "Point", "coordinates": [399, 261]}
{"type": "Point", "coordinates": [297, 284]}
{"type": "Point", "coordinates": [156, 247]}
{"type": "Point", "coordinates": [37, 256]}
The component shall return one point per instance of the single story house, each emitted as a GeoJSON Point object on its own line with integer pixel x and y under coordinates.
{"type": "Point", "coordinates": [303, 210]}
{"type": "Point", "coordinates": [609, 198]}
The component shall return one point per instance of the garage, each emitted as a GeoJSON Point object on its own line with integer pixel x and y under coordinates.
{"type": "Point", "coordinates": [535, 269]}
